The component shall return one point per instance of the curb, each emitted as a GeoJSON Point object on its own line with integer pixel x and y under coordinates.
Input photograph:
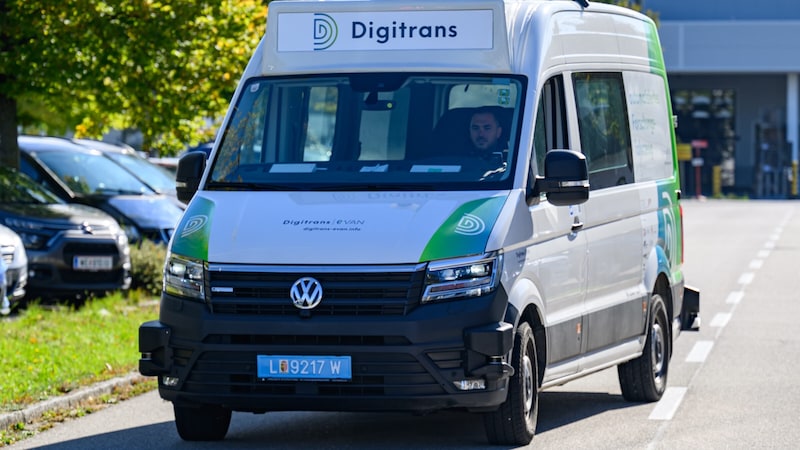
{"type": "Point", "coordinates": [71, 400]}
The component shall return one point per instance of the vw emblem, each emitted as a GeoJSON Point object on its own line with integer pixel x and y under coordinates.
{"type": "Point", "coordinates": [306, 293]}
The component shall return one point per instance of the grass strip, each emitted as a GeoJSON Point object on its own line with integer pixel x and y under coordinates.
{"type": "Point", "coordinates": [49, 351]}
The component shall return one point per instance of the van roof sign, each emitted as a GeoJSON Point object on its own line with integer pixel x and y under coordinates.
{"type": "Point", "coordinates": [386, 30]}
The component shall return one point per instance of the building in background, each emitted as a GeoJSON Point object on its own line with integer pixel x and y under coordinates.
{"type": "Point", "coordinates": [733, 68]}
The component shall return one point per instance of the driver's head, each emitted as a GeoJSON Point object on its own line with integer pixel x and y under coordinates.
{"type": "Point", "coordinates": [484, 130]}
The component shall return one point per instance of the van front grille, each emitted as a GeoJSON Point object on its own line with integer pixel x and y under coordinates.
{"type": "Point", "coordinates": [346, 292]}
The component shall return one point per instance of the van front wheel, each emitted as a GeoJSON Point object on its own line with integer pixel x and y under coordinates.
{"type": "Point", "coordinates": [514, 423]}
{"type": "Point", "coordinates": [644, 379]}
{"type": "Point", "coordinates": [202, 423]}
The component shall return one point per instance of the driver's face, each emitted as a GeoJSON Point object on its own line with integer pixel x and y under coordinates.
{"type": "Point", "coordinates": [484, 131]}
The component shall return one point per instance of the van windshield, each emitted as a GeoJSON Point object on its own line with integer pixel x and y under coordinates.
{"type": "Point", "coordinates": [381, 131]}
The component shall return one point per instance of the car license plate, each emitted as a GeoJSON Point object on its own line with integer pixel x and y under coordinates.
{"type": "Point", "coordinates": [293, 367]}
{"type": "Point", "coordinates": [92, 263]}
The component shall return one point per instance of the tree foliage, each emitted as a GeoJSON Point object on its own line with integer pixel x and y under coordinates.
{"type": "Point", "coordinates": [86, 66]}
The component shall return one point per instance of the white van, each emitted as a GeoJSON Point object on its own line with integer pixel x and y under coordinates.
{"type": "Point", "coordinates": [416, 206]}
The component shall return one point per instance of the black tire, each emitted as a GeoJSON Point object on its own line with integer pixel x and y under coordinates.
{"type": "Point", "coordinates": [644, 379]}
{"type": "Point", "coordinates": [514, 423]}
{"type": "Point", "coordinates": [202, 423]}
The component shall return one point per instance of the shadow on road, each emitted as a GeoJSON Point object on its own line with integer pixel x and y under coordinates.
{"type": "Point", "coordinates": [313, 430]}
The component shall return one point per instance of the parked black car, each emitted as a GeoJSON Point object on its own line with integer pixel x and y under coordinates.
{"type": "Point", "coordinates": [78, 174]}
{"type": "Point", "coordinates": [72, 249]}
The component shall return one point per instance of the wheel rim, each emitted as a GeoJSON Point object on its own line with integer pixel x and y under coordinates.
{"type": "Point", "coordinates": [658, 353]}
{"type": "Point", "coordinates": [527, 384]}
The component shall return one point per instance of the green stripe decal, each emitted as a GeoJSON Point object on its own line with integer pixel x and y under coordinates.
{"type": "Point", "coordinates": [191, 236]}
{"type": "Point", "coordinates": [654, 49]}
{"type": "Point", "coordinates": [466, 231]}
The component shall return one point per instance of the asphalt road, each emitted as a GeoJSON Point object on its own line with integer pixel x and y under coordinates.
{"type": "Point", "coordinates": [732, 385]}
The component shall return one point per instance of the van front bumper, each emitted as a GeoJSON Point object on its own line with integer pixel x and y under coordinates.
{"type": "Point", "coordinates": [439, 356]}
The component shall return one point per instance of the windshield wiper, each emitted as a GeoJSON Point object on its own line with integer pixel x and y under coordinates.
{"type": "Point", "coordinates": [216, 185]}
{"type": "Point", "coordinates": [373, 187]}
{"type": "Point", "coordinates": [227, 186]}
{"type": "Point", "coordinates": [106, 191]}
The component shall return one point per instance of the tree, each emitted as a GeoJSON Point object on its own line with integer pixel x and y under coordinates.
{"type": "Point", "coordinates": [87, 66]}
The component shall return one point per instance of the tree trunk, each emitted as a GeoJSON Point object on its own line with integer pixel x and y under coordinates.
{"type": "Point", "coordinates": [9, 152]}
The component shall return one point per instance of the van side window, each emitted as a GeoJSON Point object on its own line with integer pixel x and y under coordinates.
{"type": "Point", "coordinates": [551, 122]}
{"type": "Point", "coordinates": [603, 127]}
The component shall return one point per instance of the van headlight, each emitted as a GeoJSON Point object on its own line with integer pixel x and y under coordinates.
{"type": "Point", "coordinates": [185, 277]}
{"type": "Point", "coordinates": [462, 277]}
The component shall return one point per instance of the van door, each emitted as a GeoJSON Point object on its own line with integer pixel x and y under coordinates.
{"type": "Point", "coordinates": [614, 308]}
{"type": "Point", "coordinates": [559, 254]}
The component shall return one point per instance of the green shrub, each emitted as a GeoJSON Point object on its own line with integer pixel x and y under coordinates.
{"type": "Point", "coordinates": [147, 265]}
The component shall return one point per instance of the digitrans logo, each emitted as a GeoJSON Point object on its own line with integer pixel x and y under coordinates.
{"type": "Point", "coordinates": [470, 225]}
{"type": "Point", "coordinates": [382, 34]}
{"type": "Point", "coordinates": [325, 31]}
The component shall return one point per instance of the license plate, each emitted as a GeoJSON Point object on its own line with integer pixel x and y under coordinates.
{"type": "Point", "coordinates": [293, 367]}
{"type": "Point", "coordinates": [92, 263]}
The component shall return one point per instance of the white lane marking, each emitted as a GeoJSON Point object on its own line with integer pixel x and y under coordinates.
{"type": "Point", "coordinates": [666, 407]}
{"type": "Point", "coordinates": [720, 320]}
{"type": "Point", "coordinates": [775, 237]}
{"type": "Point", "coordinates": [763, 254]}
{"type": "Point", "coordinates": [756, 264]}
{"type": "Point", "coordinates": [769, 244]}
{"type": "Point", "coordinates": [700, 351]}
{"type": "Point", "coordinates": [746, 278]}
{"type": "Point", "coordinates": [734, 297]}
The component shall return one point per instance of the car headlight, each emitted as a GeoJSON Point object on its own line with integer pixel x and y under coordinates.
{"type": "Point", "coordinates": [184, 277]}
{"type": "Point", "coordinates": [33, 234]}
{"type": "Point", "coordinates": [463, 277]}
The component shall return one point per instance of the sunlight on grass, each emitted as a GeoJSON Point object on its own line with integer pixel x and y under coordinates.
{"type": "Point", "coordinates": [51, 351]}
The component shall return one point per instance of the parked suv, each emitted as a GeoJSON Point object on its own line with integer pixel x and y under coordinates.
{"type": "Point", "coordinates": [13, 269]}
{"type": "Point", "coordinates": [72, 249]}
{"type": "Point", "coordinates": [78, 174]}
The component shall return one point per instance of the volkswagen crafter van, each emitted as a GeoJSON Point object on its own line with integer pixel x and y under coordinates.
{"type": "Point", "coordinates": [347, 247]}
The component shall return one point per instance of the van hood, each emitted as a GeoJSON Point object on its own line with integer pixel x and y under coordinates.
{"type": "Point", "coordinates": [336, 227]}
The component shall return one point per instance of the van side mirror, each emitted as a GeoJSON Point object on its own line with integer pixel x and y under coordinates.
{"type": "Point", "coordinates": [187, 178]}
{"type": "Point", "coordinates": [566, 178]}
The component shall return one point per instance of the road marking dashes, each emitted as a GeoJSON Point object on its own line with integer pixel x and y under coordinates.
{"type": "Point", "coordinates": [734, 297]}
{"type": "Point", "coordinates": [746, 278]}
{"type": "Point", "coordinates": [720, 320]}
{"type": "Point", "coordinates": [700, 351]}
{"type": "Point", "coordinates": [666, 407]}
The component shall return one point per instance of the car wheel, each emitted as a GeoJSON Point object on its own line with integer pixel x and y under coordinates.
{"type": "Point", "coordinates": [644, 379]}
{"type": "Point", "coordinates": [202, 423]}
{"type": "Point", "coordinates": [514, 423]}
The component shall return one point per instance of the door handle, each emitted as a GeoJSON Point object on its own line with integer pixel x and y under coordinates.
{"type": "Point", "coordinates": [576, 225]}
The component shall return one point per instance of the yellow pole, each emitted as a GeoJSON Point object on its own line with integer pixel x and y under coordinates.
{"type": "Point", "coordinates": [717, 181]}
